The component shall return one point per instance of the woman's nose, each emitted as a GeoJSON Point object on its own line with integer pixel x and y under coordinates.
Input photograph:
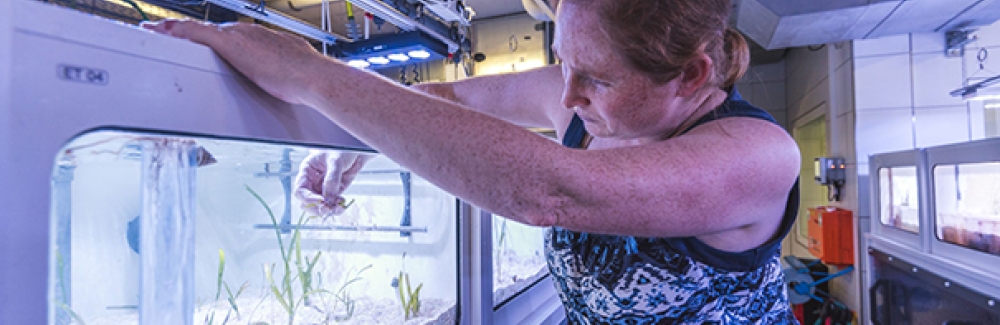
{"type": "Point", "coordinates": [572, 96]}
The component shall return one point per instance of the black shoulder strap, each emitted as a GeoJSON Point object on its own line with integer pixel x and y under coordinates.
{"type": "Point", "coordinates": [734, 106]}
{"type": "Point", "coordinates": [574, 133]}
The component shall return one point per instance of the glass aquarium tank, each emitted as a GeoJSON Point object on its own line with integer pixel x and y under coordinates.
{"type": "Point", "coordinates": [518, 258]}
{"type": "Point", "coordinates": [210, 226]}
{"type": "Point", "coordinates": [900, 200]}
{"type": "Point", "coordinates": [906, 294]}
{"type": "Point", "coordinates": [967, 203]}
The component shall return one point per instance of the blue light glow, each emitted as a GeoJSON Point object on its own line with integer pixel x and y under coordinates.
{"type": "Point", "coordinates": [378, 60]}
{"type": "Point", "coordinates": [360, 64]}
{"type": "Point", "coordinates": [419, 54]}
{"type": "Point", "coordinates": [398, 57]}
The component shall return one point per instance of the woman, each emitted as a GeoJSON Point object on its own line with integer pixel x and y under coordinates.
{"type": "Point", "coordinates": [672, 212]}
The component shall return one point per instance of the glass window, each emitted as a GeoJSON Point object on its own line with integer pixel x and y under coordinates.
{"type": "Point", "coordinates": [967, 200]}
{"type": "Point", "coordinates": [257, 256]}
{"type": "Point", "coordinates": [899, 199]}
{"type": "Point", "coordinates": [902, 296]}
{"type": "Point", "coordinates": [991, 112]}
{"type": "Point", "coordinates": [518, 258]}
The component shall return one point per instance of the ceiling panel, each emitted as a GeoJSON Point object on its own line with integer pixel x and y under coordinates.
{"type": "Point", "coordinates": [493, 8]}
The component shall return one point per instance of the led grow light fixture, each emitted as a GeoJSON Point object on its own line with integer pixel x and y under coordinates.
{"type": "Point", "coordinates": [392, 50]}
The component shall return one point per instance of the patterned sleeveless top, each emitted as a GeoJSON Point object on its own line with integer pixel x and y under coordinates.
{"type": "Point", "coordinates": [609, 279]}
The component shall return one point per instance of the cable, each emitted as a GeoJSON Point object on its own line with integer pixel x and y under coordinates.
{"type": "Point", "coordinates": [136, 6]}
{"type": "Point", "coordinates": [833, 191]}
{"type": "Point", "coordinates": [816, 48]}
{"type": "Point", "coordinates": [191, 3]}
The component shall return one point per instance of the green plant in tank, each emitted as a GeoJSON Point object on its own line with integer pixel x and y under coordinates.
{"type": "Point", "coordinates": [343, 294]}
{"type": "Point", "coordinates": [230, 297]}
{"type": "Point", "coordinates": [409, 298]}
{"type": "Point", "coordinates": [60, 264]}
{"type": "Point", "coordinates": [298, 270]}
{"type": "Point", "coordinates": [500, 227]}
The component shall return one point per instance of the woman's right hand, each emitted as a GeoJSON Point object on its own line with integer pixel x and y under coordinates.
{"type": "Point", "coordinates": [323, 176]}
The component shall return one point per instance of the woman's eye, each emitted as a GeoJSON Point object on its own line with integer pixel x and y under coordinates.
{"type": "Point", "coordinates": [600, 82]}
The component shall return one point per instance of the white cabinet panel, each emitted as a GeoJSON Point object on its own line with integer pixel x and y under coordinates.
{"type": "Point", "coordinates": [880, 46]}
{"type": "Point", "coordinates": [988, 36]}
{"type": "Point", "coordinates": [934, 76]}
{"type": "Point", "coordinates": [882, 82]}
{"type": "Point", "coordinates": [937, 126]}
{"type": "Point", "coordinates": [928, 43]}
{"type": "Point", "coordinates": [883, 130]}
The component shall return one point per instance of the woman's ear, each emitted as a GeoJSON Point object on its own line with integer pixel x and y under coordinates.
{"type": "Point", "coordinates": [695, 74]}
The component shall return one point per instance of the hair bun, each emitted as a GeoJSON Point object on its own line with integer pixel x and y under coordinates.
{"type": "Point", "coordinates": [737, 55]}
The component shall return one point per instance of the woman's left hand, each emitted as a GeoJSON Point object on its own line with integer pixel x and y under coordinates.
{"type": "Point", "coordinates": [277, 62]}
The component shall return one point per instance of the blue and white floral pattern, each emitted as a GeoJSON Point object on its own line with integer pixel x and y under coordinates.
{"type": "Point", "coordinates": [605, 279]}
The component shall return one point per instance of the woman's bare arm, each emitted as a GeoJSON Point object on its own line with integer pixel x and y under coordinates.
{"type": "Point", "coordinates": [725, 175]}
{"type": "Point", "coordinates": [529, 98]}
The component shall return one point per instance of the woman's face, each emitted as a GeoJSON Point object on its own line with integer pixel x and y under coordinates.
{"type": "Point", "coordinates": [612, 99]}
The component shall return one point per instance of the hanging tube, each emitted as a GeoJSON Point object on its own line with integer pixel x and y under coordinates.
{"type": "Point", "coordinates": [62, 210]}
{"type": "Point", "coordinates": [167, 232]}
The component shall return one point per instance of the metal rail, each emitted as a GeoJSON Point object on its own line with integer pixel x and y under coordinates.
{"type": "Point", "coordinates": [343, 228]}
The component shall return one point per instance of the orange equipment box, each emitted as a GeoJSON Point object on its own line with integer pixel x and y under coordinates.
{"type": "Point", "coordinates": [831, 235]}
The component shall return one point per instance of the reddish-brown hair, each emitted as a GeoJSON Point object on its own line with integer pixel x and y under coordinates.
{"type": "Point", "coordinates": [660, 37]}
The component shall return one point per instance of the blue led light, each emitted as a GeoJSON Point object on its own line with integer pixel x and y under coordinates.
{"type": "Point", "coordinates": [398, 57]}
{"type": "Point", "coordinates": [380, 60]}
{"type": "Point", "coordinates": [360, 64]}
{"type": "Point", "coordinates": [419, 54]}
{"type": "Point", "coordinates": [387, 51]}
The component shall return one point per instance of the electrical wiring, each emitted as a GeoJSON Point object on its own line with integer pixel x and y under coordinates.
{"type": "Point", "coordinates": [815, 48]}
{"type": "Point", "coordinates": [191, 3]}
{"type": "Point", "coordinates": [136, 6]}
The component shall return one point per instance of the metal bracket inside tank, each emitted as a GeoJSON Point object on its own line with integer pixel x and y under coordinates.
{"type": "Point", "coordinates": [285, 175]}
{"type": "Point", "coordinates": [346, 228]}
{"type": "Point", "coordinates": [406, 222]}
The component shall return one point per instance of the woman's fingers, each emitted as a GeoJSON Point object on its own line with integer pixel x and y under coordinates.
{"type": "Point", "coordinates": [332, 185]}
{"type": "Point", "coordinates": [203, 33]}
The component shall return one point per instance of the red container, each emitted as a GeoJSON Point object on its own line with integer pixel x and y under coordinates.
{"type": "Point", "coordinates": [831, 235]}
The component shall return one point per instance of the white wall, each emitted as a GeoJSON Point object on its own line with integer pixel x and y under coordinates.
{"type": "Point", "coordinates": [764, 86]}
{"type": "Point", "coordinates": [510, 43]}
{"type": "Point", "coordinates": [819, 85]}
{"type": "Point", "coordinates": [903, 83]}
{"type": "Point", "coordinates": [902, 100]}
